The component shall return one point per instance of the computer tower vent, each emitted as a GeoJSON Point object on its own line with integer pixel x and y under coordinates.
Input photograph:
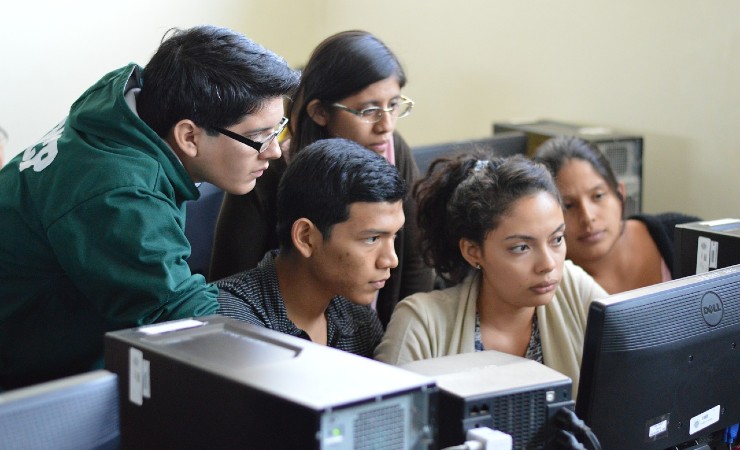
{"type": "Point", "coordinates": [623, 156]}
{"type": "Point", "coordinates": [380, 429]}
{"type": "Point", "coordinates": [625, 159]}
{"type": "Point", "coordinates": [617, 157]}
{"type": "Point", "coordinates": [521, 415]}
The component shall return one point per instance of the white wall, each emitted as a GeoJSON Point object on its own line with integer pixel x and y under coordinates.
{"type": "Point", "coordinates": [668, 70]}
{"type": "Point", "coordinates": [52, 51]}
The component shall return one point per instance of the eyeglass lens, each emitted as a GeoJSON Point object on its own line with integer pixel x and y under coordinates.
{"type": "Point", "coordinates": [278, 129]}
{"type": "Point", "coordinates": [398, 110]}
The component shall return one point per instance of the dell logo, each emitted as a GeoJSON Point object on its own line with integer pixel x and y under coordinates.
{"type": "Point", "coordinates": [711, 308]}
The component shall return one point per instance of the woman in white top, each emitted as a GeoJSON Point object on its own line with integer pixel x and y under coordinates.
{"type": "Point", "coordinates": [494, 229]}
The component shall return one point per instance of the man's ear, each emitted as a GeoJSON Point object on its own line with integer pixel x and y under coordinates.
{"type": "Point", "coordinates": [305, 236]}
{"type": "Point", "coordinates": [471, 252]}
{"type": "Point", "coordinates": [184, 137]}
{"type": "Point", "coordinates": [317, 112]}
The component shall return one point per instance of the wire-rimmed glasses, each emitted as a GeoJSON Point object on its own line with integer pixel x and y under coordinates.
{"type": "Point", "coordinates": [400, 108]}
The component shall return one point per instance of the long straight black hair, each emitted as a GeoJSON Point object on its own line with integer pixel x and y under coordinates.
{"type": "Point", "coordinates": [342, 65]}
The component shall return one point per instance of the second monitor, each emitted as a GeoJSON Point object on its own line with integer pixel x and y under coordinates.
{"type": "Point", "coordinates": [502, 144]}
{"type": "Point", "coordinates": [661, 364]}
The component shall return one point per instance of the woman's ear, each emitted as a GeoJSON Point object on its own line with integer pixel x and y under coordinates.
{"type": "Point", "coordinates": [471, 252]}
{"type": "Point", "coordinates": [622, 190]}
{"type": "Point", "coordinates": [304, 235]}
{"type": "Point", "coordinates": [317, 112]}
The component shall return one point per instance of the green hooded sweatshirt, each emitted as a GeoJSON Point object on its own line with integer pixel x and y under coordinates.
{"type": "Point", "coordinates": [92, 238]}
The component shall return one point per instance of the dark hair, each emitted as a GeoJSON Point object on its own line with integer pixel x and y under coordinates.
{"type": "Point", "coordinates": [212, 76]}
{"type": "Point", "coordinates": [342, 65]}
{"type": "Point", "coordinates": [465, 197]}
{"type": "Point", "coordinates": [557, 151]}
{"type": "Point", "coordinates": [325, 178]}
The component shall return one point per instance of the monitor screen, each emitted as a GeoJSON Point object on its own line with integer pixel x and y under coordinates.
{"type": "Point", "coordinates": [501, 144]}
{"type": "Point", "coordinates": [79, 411]}
{"type": "Point", "coordinates": [661, 364]}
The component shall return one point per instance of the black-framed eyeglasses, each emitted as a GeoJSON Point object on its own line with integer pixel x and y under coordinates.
{"type": "Point", "coordinates": [260, 146]}
{"type": "Point", "coordinates": [401, 108]}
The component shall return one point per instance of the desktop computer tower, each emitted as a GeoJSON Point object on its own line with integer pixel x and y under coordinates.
{"type": "Point", "coordinates": [215, 382]}
{"type": "Point", "coordinates": [706, 245]}
{"type": "Point", "coordinates": [623, 150]}
{"type": "Point", "coordinates": [491, 389]}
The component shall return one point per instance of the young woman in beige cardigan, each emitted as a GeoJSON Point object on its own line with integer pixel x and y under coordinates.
{"type": "Point", "coordinates": [495, 230]}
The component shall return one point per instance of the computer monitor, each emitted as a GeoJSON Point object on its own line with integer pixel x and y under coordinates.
{"type": "Point", "coordinates": [661, 364]}
{"type": "Point", "coordinates": [502, 144]}
{"type": "Point", "coordinates": [80, 411]}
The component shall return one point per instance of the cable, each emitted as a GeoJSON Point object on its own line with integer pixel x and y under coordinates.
{"type": "Point", "coordinates": [731, 434]}
{"type": "Point", "coordinates": [564, 440]}
{"type": "Point", "coordinates": [468, 445]}
{"type": "Point", "coordinates": [568, 422]}
{"type": "Point", "coordinates": [474, 445]}
{"type": "Point", "coordinates": [484, 438]}
{"type": "Point", "coordinates": [489, 438]}
{"type": "Point", "coordinates": [583, 430]}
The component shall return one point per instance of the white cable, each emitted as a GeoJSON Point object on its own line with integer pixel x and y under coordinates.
{"type": "Point", "coordinates": [488, 439]}
{"type": "Point", "coordinates": [473, 445]}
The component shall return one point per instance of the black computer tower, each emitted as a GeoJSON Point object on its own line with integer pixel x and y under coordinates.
{"type": "Point", "coordinates": [623, 150]}
{"type": "Point", "coordinates": [706, 245]}
{"type": "Point", "coordinates": [214, 382]}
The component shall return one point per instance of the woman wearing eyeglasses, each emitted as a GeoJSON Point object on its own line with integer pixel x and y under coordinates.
{"type": "Point", "coordinates": [350, 88]}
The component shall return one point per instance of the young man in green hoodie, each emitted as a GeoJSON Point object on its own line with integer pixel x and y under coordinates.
{"type": "Point", "coordinates": [93, 215]}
